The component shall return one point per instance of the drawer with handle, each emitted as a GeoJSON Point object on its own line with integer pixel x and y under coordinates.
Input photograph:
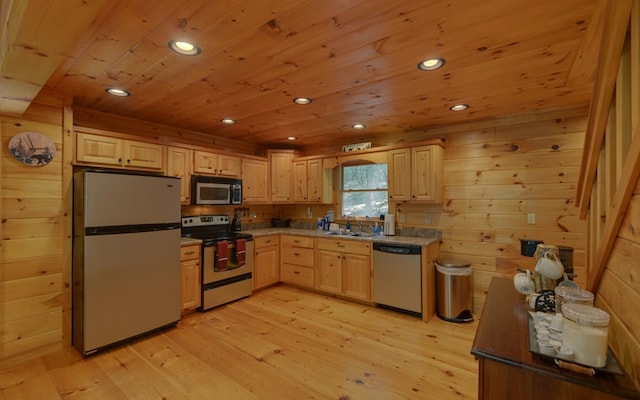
{"type": "Point", "coordinates": [297, 275]}
{"type": "Point", "coordinates": [191, 252]}
{"type": "Point", "coordinates": [298, 256]}
{"type": "Point", "coordinates": [266, 241]}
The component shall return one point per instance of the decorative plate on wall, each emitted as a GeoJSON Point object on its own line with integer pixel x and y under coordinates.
{"type": "Point", "coordinates": [32, 148]}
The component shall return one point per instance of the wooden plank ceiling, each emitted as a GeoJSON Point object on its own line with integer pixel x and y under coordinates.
{"type": "Point", "coordinates": [357, 60]}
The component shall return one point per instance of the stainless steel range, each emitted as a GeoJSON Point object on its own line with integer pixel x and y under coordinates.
{"type": "Point", "coordinates": [227, 259]}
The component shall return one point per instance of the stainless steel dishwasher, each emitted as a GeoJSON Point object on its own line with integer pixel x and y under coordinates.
{"type": "Point", "coordinates": [397, 277]}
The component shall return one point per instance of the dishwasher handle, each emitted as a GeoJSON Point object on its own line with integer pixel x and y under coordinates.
{"type": "Point", "coordinates": [397, 248]}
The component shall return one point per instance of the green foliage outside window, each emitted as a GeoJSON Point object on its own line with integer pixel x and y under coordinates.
{"type": "Point", "coordinates": [364, 190]}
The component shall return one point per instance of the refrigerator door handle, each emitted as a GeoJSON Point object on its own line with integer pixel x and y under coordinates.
{"type": "Point", "coordinates": [119, 229]}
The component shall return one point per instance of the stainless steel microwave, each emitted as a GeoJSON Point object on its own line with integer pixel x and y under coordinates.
{"type": "Point", "coordinates": [213, 190]}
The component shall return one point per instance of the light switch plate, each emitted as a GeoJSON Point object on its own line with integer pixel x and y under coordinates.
{"type": "Point", "coordinates": [531, 219]}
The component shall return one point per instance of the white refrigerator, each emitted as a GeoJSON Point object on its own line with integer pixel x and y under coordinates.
{"type": "Point", "coordinates": [126, 257]}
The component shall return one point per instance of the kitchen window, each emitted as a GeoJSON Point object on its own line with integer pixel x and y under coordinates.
{"type": "Point", "coordinates": [364, 190]}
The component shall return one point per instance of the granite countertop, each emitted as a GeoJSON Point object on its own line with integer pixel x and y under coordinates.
{"type": "Point", "coordinates": [189, 241]}
{"type": "Point", "coordinates": [415, 240]}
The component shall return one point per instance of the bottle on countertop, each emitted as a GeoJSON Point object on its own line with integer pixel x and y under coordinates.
{"type": "Point", "coordinates": [376, 229]}
{"type": "Point", "coordinates": [348, 227]}
{"type": "Point", "coordinates": [326, 223]}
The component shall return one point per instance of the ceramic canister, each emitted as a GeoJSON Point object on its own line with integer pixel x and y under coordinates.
{"type": "Point", "coordinates": [541, 282]}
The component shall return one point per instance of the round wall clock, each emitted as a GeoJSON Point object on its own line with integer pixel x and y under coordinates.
{"type": "Point", "coordinates": [32, 148]}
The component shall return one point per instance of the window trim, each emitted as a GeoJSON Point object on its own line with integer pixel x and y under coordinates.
{"type": "Point", "coordinates": [355, 163]}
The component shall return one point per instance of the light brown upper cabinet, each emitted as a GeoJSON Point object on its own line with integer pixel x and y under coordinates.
{"type": "Point", "coordinates": [400, 174]}
{"type": "Point", "coordinates": [281, 176]}
{"type": "Point", "coordinates": [179, 165]}
{"type": "Point", "coordinates": [216, 164]}
{"type": "Point", "coordinates": [416, 174]}
{"type": "Point", "coordinates": [255, 175]}
{"type": "Point", "coordinates": [312, 182]}
{"type": "Point", "coordinates": [300, 189]}
{"type": "Point", "coordinates": [117, 153]}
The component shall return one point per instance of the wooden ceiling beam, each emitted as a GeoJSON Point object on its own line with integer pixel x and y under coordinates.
{"type": "Point", "coordinates": [33, 45]}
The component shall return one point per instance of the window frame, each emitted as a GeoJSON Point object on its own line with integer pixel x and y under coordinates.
{"type": "Point", "coordinates": [341, 191]}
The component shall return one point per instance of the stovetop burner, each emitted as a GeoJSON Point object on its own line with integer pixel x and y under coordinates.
{"type": "Point", "coordinates": [210, 227]}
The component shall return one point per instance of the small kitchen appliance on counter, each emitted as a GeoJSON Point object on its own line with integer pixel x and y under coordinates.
{"type": "Point", "coordinates": [390, 225]}
{"type": "Point", "coordinates": [227, 259]}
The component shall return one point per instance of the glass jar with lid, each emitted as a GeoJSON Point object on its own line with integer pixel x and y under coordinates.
{"type": "Point", "coordinates": [585, 330]}
{"type": "Point", "coordinates": [568, 294]}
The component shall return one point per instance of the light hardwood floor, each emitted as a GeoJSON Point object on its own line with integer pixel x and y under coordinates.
{"type": "Point", "coordinates": [280, 343]}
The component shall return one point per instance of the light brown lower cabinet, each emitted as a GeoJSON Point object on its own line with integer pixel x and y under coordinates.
{"type": "Point", "coordinates": [266, 267]}
{"type": "Point", "coordinates": [190, 276]}
{"type": "Point", "coordinates": [344, 267]}
{"type": "Point", "coordinates": [297, 260]}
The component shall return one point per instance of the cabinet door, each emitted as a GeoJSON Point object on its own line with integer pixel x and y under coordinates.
{"type": "Point", "coordinates": [190, 284]}
{"type": "Point", "coordinates": [315, 181]}
{"type": "Point", "coordinates": [266, 270]}
{"type": "Point", "coordinates": [329, 271]}
{"type": "Point", "coordinates": [400, 174]}
{"type": "Point", "coordinates": [357, 276]}
{"type": "Point", "coordinates": [300, 181]}
{"type": "Point", "coordinates": [143, 155]}
{"type": "Point", "coordinates": [426, 173]}
{"type": "Point", "coordinates": [281, 177]}
{"type": "Point", "coordinates": [205, 163]}
{"type": "Point", "coordinates": [229, 166]}
{"type": "Point", "coordinates": [254, 181]}
{"type": "Point", "coordinates": [97, 149]}
{"type": "Point", "coordinates": [179, 166]}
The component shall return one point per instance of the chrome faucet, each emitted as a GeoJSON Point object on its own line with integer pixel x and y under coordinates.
{"type": "Point", "coordinates": [359, 226]}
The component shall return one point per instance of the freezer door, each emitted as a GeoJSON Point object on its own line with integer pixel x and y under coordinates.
{"type": "Point", "coordinates": [131, 285]}
{"type": "Point", "coordinates": [119, 199]}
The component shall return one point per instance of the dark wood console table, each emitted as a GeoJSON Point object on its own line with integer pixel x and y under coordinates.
{"type": "Point", "coordinates": [508, 370]}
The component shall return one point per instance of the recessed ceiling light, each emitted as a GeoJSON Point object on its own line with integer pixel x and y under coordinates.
{"type": "Point", "coordinates": [292, 138]}
{"type": "Point", "coordinates": [431, 64]}
{"type": "Point", "coordinates": [302, 100]}
{"type": "Point", "coordinates": [117, 92]}
{"type": "Point", "coordinates": [185, 48]}
{"type": "Point", "coordinates": [459, 107]}
{"type": "Point", "coordinates": [228, 121]}
{"type": "Point", "coordinates": [358, 126]}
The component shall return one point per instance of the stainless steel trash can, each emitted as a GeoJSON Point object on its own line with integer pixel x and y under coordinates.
{"type": "Point", "coordinates": [453, 290]}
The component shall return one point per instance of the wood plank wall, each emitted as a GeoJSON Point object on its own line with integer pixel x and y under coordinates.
{"type": "Point", "coordinates": [494, 178]}
{"type": "Point", "coordinates": [31, 263]}
{"type": "Point", "coordinates": [619, 291]}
